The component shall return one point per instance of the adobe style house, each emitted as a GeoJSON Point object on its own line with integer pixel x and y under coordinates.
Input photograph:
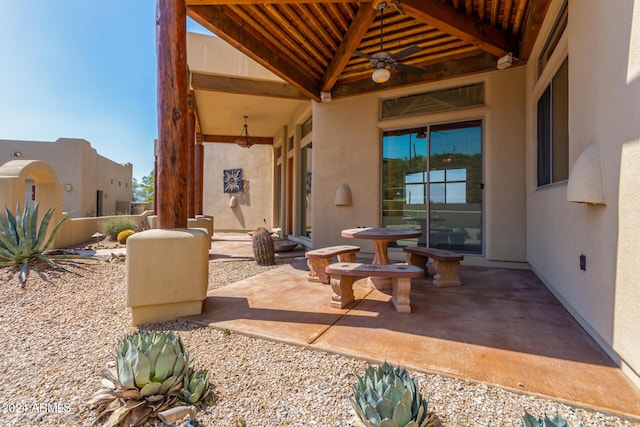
{"type": "Point", "coordinates": [92, 185]}
{"type": "Point", "coordinates": [534, 165]}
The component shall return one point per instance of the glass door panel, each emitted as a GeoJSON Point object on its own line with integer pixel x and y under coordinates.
{"type": "Point", "coordinates": [431, 180]}
{"type": "Point", "coordinates": [455, 187]}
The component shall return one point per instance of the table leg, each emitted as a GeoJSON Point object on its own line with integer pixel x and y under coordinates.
{"type": "Point", "coordinates": [381, 256]}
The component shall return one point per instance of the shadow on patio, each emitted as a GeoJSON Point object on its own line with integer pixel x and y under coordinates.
{"type": "Point", "coordinates": [502, 327]}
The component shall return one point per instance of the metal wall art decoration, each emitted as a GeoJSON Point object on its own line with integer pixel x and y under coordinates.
{"type": "Point", "coordinates": [233, 180]}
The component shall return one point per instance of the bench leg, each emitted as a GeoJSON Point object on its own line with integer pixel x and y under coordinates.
{"type": "Point", "coordinates": [342, 291]}
{"type": "Point", "coordinates": [400, 296]}
{"type": "Point", "coordinates": [446, 273]}
{"type": "Point", "coordinates": [350, 257]}
{"type": "Point", "coordinates": [316, 269]}
{"type": "Point", "coordinates": [418, 260]}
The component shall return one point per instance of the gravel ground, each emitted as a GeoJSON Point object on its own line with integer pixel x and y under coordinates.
{"type": "Point", "coordinates": [60, 331]}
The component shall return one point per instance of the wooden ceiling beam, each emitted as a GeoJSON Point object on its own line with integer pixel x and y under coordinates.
{"type": "Point", "coordinates": [437, 72]}
{"type": "Point", "coordinates": [231, 139]}
{"type": "Point", "coordinates": [531, 26]}
{"type": "Point", "coordinates": [465, 27]}
{"type": "Point", "coordinates": [363, 19]}
{"type": "Point", "coordinates": [256, 47]}
{"type": "Point", "coordinates": [257, 2]}
{"type": "Point", "coordinates": [212, 83]}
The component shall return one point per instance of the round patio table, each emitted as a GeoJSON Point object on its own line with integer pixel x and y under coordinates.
{"type": "Point", "coordinates": [381, 238]}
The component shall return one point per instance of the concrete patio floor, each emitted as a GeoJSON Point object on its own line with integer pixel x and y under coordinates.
{"type": "Point", "coordinates": [501, 327]}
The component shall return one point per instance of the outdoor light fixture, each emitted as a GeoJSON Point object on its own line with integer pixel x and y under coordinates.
{"type": "Point", "coordinates": [505, 61]}
{"type": "Point", "coordinates": [243, 140]}
{"type": "Point", "coordinates": [421, 134]}
{"type": "Point", "coordinates": [381, 75]}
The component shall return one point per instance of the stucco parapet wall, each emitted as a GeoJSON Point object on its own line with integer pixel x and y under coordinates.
{"type": "Point", "coordinates": [167, 273]}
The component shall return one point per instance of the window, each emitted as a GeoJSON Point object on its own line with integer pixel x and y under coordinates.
{"type": "Point", "coordinates": [434, 101]}
{"type": "Point", "coordinates": [556, 33]}
{"type": "Point", "coordinates": [553, 132]}
{"type": "Point", "coordinates": [306, 127]}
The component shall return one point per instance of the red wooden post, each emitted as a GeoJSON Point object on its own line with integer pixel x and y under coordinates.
{"type": "Point", "coordinates": [199, 179]}
{"type": "Point", "coordinates": [171, 44]}
{"type": "Point", "coordinates": [192, 148]}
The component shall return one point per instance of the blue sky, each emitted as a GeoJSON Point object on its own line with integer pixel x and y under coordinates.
{"type": "Point", "coordinates": [81, 69]}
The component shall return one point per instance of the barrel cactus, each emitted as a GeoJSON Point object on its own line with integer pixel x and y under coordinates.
{"type": "Point", "coordinates": [124, 235]}
{"type": "Point", "coordinates": [263, 248]}
{"type": "Point", "coordinates": [387, 397]}
{"type": "Point", "coordinates": [147, 379]}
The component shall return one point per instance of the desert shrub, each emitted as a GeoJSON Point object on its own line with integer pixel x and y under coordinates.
{"type": "Point", "coordinates": [124, 235]}
{"type": "Point", "coordinates": [114, 226]}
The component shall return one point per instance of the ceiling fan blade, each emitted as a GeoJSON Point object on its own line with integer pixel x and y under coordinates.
{"type": "Point", "coordinates": [362, 55]}
{"type": "Point", "coordinates": [410, 68]}
{"type": "Point", "coordinates": [406, 52]}
{"type": "Point", "coordinates": [357, 70]}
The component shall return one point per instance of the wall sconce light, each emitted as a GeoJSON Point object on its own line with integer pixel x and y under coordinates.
{"type": "Point", "coordinates": [343, 195]}
{"type": "Point", "coordinates": [67, 187]}
{"type": "Point", "coordinates": [16, 154]}
{"type": "Point", "coordinates": [233, 202]}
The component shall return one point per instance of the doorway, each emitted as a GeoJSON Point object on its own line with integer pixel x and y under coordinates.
{"type": "Point", "coordinates": [432, 180]}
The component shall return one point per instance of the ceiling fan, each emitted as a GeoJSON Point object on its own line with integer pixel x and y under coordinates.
{"type": "Point", "coordinates": [382, 61]}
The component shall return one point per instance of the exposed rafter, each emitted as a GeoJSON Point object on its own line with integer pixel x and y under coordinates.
{"type": "Point", "coordinates": [255, 46]}
{"type": "Point", "coordinates": [350, 42]}
{"type": "Point", "coordinates": [465, 27]}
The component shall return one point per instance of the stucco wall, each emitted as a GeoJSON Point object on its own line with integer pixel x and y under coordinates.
{"type": "Point", "coordinates": [255, 203]}
{"type": "Point", "coordinates": [347, 136]}
{"type": "Point", "coordinates": [604, 107]}
{"type": "Point", "coordinates": [79, 165]}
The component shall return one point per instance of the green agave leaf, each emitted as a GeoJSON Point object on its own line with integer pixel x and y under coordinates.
{"type": "Point", "coordinates": [557, 421]}
{"type": "Point", "coordinates": [372, 415]}
{"type": "Point", "coordinates": [141, 369]}
{"type": "Point", "coordinates": [151, 389]}
{"type": "Point", "coordinates": [166, 361]}
{"type": "Point", "coordinates": [529, 420]}
{"type": "Point", "coordinates": [384, 408]}
{"type": "Point", "coordinates": [388, 423]}
{"type": "Point", "coordinates": [166, 384]}
{"type": "Point", "coordinates": [125, 372]}
{"type": "Point", "coordinates": [53, 232]}
{"type": "Point", "coordinates": [152, 353]}
{"type": "Point", "coordinates": [402, 414]}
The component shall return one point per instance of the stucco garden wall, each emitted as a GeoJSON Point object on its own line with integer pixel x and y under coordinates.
{"type": "Point", "coordinates": [255, 202]}
{"type": "Point", "coordinates": [604, 108]}
{"type": "Point", "coordinates": [347, 136]}
{"type": "Point", "coordinates": [80, 170]}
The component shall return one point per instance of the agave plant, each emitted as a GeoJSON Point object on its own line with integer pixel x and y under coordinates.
{"type": "Point", "coordinates": [529, 420]}
{"type": "Point", "coordinates": [385, 397]}
{"type": "Point", "coordinates": [23, 241]}
{"type": "Point", "coordinates": [147, 379]}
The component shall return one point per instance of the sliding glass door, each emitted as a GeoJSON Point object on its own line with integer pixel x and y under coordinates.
{"type": "Point", "coordinates": [432, 180]}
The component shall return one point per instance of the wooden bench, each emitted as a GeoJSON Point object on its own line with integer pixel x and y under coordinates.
{"type": "Point", "coordinates": [318, 259]}
{"type": "Point", "coordinates": [343, 275]}
{"type": "Point", "coordinates": [445, 263]}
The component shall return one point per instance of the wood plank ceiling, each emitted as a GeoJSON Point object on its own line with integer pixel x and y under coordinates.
{"type": "Point", "coordinates": [310, 43]}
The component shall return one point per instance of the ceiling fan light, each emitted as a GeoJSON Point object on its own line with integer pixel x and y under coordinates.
{"type": "Point", "coordinates": [381, 75]}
